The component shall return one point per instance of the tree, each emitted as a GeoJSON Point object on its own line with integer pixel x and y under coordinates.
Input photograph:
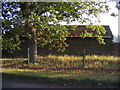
{"type": "Point", "coordinates": [39, 22]}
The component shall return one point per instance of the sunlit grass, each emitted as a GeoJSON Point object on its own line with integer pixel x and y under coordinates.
{"type": "Point", "coordinates": [6, 59]}
{"type": "Point", "coordinates": [66, 61]}
{"type": "Point", "coordinates": [96, 57]}
{"type": "Point", "coordinates": [76, 61]}
{"type": "Point", "coordinates": [88, 57]}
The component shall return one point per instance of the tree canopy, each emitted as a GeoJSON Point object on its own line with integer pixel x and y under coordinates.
{"type": "Point", "coordinates": [40, 21]}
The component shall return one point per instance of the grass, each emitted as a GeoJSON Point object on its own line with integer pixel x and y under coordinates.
{"type": "Point", "coordinates": [66, 70]}
{"type": "Point", "coordinates": [76, 77]}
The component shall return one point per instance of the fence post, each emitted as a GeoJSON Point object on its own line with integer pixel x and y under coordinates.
{"type": "Point", "coordinates": [28, 55]}
{"type": "Point", "coordinates": [83, 61]}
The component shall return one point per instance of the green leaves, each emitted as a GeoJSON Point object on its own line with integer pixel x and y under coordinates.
{"type": "Point", "coordinates": [99, 31]}
{"type": "Point", "coordinates": [86, 34]}
{"type": "Point", "coordinates": [100, 40]}
{"type": "Point", "coordinates": [39, 21]}
{"type": "Point", "coordinates": [54, 36]}
{"type": "Point", "coordinates": [10, 41]}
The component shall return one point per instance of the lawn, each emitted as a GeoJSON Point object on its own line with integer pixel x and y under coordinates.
{"type": "Point", "coordinates": [98, 71]}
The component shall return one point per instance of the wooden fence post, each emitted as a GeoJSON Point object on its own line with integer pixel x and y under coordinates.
{"type": "Point", "coordinates": [83, 61]}
{"type": "Point", "coordinates": [28, 56]}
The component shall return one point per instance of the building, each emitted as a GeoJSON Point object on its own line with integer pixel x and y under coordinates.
{"type": "Point", "coordinates": [76, 45]}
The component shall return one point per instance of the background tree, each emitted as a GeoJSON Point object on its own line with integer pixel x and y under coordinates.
{"type": "Point", "coordinates": [39, 22]}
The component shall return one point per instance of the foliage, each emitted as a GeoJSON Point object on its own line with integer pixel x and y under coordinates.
{"type": "Point", "coordinates": [39, 21]}
{"type": "Point", "coordinates": [11, 41]}
{"type": "Point", "coordinates": [98, 32]}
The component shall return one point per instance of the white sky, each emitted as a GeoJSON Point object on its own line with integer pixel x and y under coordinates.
{"type": "Point", "coordinates": [106, 19]}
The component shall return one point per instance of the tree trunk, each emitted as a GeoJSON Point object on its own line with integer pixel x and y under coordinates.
{"type": "Point", "coordinates": [32, 52]}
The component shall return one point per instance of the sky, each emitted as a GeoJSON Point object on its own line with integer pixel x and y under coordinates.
{"type": "Point", "coordinates": [107, 19]}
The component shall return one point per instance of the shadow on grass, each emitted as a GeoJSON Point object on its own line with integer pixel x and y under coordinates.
{"type": "Point", "coordinates": [83, 82]}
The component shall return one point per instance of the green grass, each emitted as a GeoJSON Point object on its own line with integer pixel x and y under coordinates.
{"type": "Point", "coordinates": [76, 77]}
{"type": "Point", "coordinates": [99, 71]}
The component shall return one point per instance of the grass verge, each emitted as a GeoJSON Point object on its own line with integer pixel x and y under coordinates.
{"type": "Point", "coordinates": [78, 78]}
{"type": "Point", "coordinates": [99, 71]}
